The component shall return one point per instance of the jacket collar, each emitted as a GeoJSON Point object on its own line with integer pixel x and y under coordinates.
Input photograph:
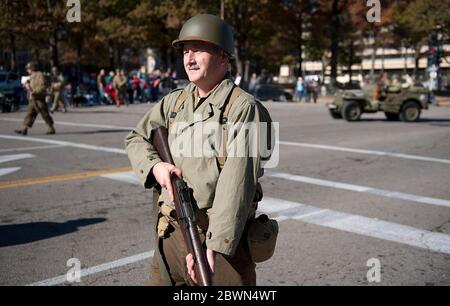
{"type": "Point", "coordinates": [217, 96]}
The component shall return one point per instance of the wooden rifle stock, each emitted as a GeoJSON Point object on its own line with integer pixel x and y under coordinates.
{"type": "Point", "coordinates": [184, 209]}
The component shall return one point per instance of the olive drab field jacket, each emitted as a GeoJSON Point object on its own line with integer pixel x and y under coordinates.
{"type": "Point", "coordinates": [229, 191]}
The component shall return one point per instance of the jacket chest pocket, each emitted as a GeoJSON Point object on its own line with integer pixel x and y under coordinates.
{"type": "Point", "coordinates": [196, 134]}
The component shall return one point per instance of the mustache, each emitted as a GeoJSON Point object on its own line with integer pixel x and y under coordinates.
{"type": "Point", "coordinates": [193, 66]}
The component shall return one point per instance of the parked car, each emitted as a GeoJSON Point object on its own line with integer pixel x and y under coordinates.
{"type": "Point", "coordinates": [272, 92]}
{"type": "Point", "coordinates": [11, 91]}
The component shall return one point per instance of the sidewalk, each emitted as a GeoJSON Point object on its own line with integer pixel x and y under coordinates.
{"type": "Point", "coordinates": [443, 101]}
{"type": "Point", "coordinates": [321, 100]}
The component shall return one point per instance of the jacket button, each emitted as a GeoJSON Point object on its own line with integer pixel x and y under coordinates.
{"type": "Point", "coordinates": [142, 171]}
{"type": "Point", "coordinates": [226, 241]}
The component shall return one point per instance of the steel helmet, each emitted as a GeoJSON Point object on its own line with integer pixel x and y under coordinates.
{"type": "Point", "coordinates": [31, 65]}
{"type": "Point", "coordinates": [208, 28]}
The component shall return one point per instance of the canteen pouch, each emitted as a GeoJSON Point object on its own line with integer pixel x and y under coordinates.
{"type": "Point", "coordinates": [262, 238]}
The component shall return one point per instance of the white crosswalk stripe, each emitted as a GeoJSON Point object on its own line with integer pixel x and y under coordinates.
{"type": "Point", "coordinates": [370, 227]}
{"type": "Point", "coordinates": [283, 210]}
{"type": "Point", "coordinates": [10, 158]}
{"type": "Point", "coordinates": [6, 171]}
{"type": "Point", "coordinates": [97, 269]}
{"type": "Point", "coordinates": [358, 188]}
{"type": "Point", "coordinates": [290, 210]}
{"type": "Point", "coordinates": [367, 152]}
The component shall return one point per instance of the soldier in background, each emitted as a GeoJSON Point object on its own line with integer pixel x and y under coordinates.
{"type": "Point", "coordinates": [57, 86]}
{"type": "Point", "coordinates": [36, 93]}
{"type": "Point", "coordinates": [101, 86]}
{"type": "Point", "coordinates": [120, 86]}
{"type": "Point", "coordinates": [315, 88]}
{"type": "Point", "coordinates": [395, 85]}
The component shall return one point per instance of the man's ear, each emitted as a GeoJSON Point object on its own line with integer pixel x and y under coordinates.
{"type": "Point", "coordinates": [224, 58]}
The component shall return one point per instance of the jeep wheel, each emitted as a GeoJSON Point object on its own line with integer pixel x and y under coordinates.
{"type": "Point", "coordinates": [392, 116]}
{"type": "Point", "coordinates": [351, 111]}
{"type": "Point", "coordinates": [410, 112]}
{"type": "Point", "coordinates": [335, 115]}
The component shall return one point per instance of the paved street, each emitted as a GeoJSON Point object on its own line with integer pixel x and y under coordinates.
{"type": "Point", "coordinates": [344, 194]}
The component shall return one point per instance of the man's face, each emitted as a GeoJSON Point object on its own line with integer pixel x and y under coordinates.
{"type": "Point", "coordinates": [29, 71]}
{"type": "Point", "coordinates": [201, 61]}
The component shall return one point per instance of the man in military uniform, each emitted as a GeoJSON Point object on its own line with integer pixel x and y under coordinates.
{"type": "Point", "coordinates": [224, 191]}
{"type": "Point", "coordinates": [57, 86]}
{"type": "Point", "coordinates": [395, 85]}
{"type": "Point", "coordinates": [36, 93]}
{"type": "Point", "coordinates": [120, 86]}
{"type": "Point", "coordinates": [101, 86]}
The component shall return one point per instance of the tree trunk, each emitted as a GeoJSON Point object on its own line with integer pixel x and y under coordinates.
{"type": "Point", "coordinates": [111, 57]}
{"type": "Point", "coordinates": [240, 63]}
{"type": "Point", "coordinates": [324, 68]}
{"type": "Point", "coordinates": [373, 58]}
{"type": "Point", "coordinates": [238, 60]}
{"type": "Point", "coordinates": [300, 45]}
{"type": "Point", "coordinates": [350, 61]}
{"type": "Point", "coordinates": [53, 44]}
{"type": "Point", "coordinates": [79, 50]}
{"type": "Point", "coordinates": [240, 38]}
{"type": "Point", "coordinates": [120, 65]}
{"type": "Point", "coordinates": [52, 37]}
{"type": "Point", "coordinates": [12, 39]}
{"type": "Point", "coordinates": [246, 71]}
{"type": "Point", "coordinates": [37, 56]}
{"type": "Point", "coordinates": [416, 62]}
{"type": "Point", "coordinates": [222, 9]}
{"type": "Point", "coordinates": [334, 41]}
{"type": "Point", "coordinates": [405, 64]}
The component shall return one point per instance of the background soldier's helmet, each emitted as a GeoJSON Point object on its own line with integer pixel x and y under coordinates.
{"type": "Point", "coordinates": [31, 65]}
{"type": "Point", "coordinates": [209, 28]}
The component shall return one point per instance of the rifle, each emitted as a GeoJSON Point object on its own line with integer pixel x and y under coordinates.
{"type": "Point", "coordinates": [184, 210]}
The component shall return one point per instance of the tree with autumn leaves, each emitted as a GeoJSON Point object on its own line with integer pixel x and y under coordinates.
{"type": "Point", "coordinates": [268, 32]}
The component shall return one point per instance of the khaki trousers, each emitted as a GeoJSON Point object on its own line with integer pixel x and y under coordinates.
{"type": "Point", "coordinates": [37, 106]}
{"type": "Point", "coordinates": [57, 101]}
{"type": "Point", "coordinates": [238, 270]}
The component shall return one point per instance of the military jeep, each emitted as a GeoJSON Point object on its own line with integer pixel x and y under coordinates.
{"type": "Point", "coordinates": [399, 103]}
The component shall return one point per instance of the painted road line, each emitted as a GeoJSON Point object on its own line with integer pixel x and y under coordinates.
{"type": "Point", "coordinates": [356, 224]}
{"type": "Point", "coordinates": [358, 188]}
{"type": "Point", "coordinates": [346, 222]}
{"type": "Point", "coordinates": [75, 124]}
{"type": "Point", "coordinates": [286, 143]}
{"type": "Point", "coordinates": [65, 143]}
{"type": "Point", "coordinates": [9, 158]}
{"type": "Point", "coordinates": [369, 152]}
{"type": "Point", "coordinates": [6, 171]}
{"type": "Point", "coordinates": [59, 178]}
{"type": "Point", "coordinates": [284, 210]}
{"type": "Point", "coordinates": [97, 269]}
{"type": "Point", "coordinates": [126, 177]}
{"type": "Point", "coordinates": [31, 148]}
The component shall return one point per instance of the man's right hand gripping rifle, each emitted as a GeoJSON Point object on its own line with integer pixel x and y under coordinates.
{"type": "Point", "coordinates": [170, 178]}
